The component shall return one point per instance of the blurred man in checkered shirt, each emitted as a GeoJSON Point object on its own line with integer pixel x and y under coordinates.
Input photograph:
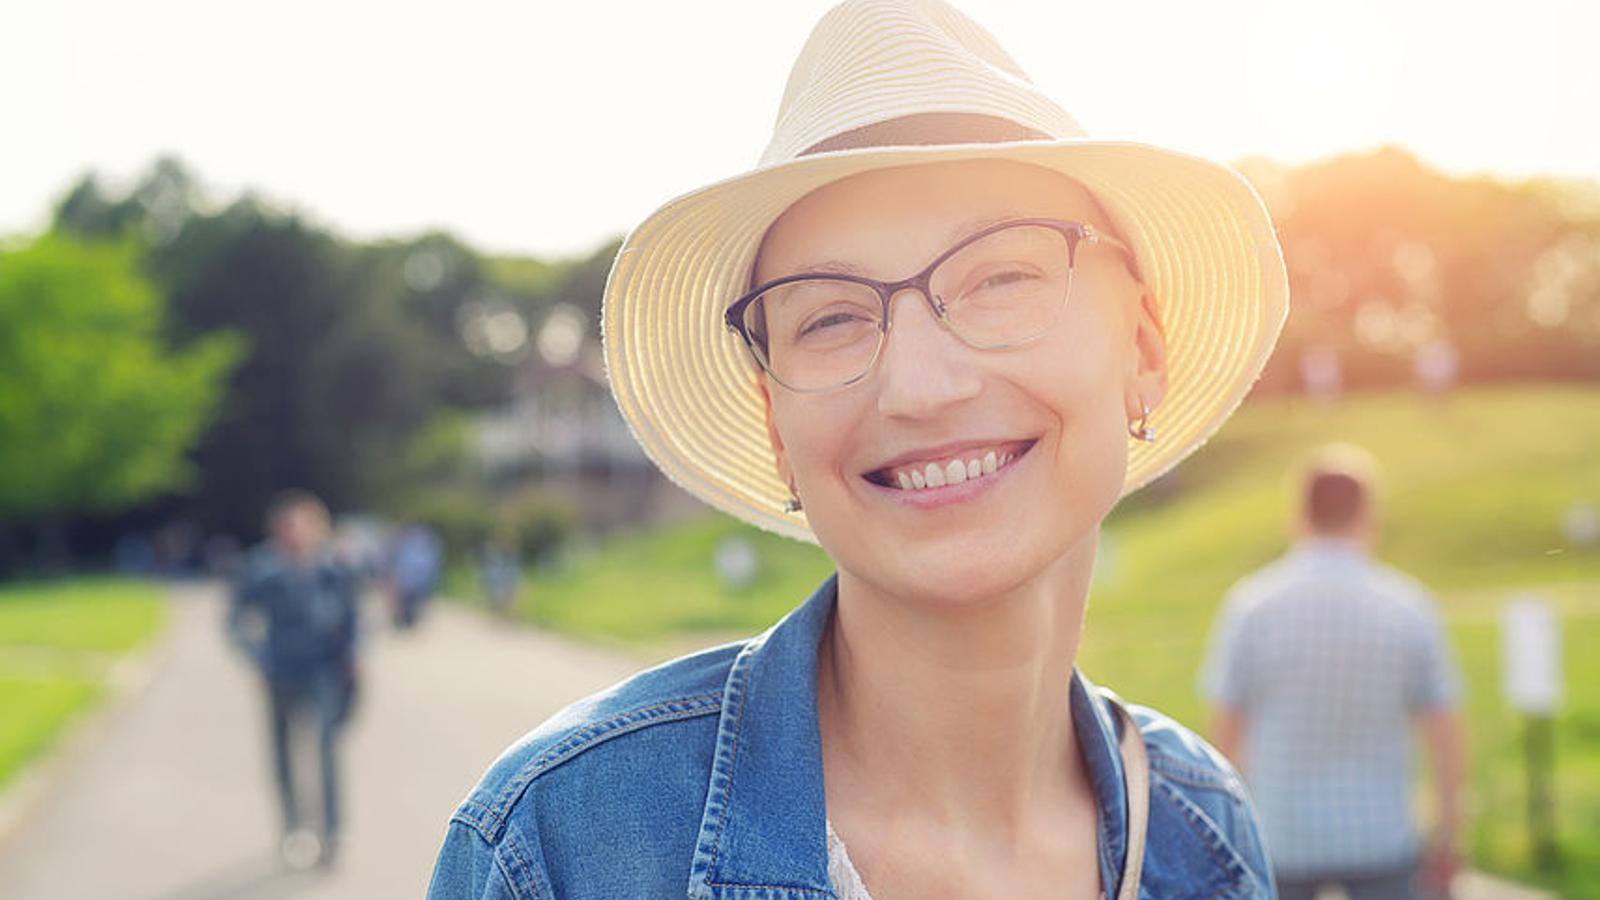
{"type": "Point", "coordinates": [1321, 665]}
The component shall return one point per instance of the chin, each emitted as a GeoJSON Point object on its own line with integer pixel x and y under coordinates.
{"type": "Point", "coordinates": [973, 586]}
{"type": "Point", "coordinates": [949, 575]}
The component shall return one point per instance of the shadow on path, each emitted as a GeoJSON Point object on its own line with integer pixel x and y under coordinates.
{"type": "Point", "coordinates": [262, 878]}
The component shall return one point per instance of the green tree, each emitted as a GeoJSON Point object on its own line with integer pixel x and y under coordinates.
{"type": "Point", "coordinates": [1386, 255]}
{"type": "Point", "coordinates": [97, 411]}
{"type": "Point", "coordinates": [354, 350]}
{"type": "Point", "coordinates": [347, 362]}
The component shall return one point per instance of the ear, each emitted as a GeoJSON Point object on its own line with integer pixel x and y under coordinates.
{"type": "Point", "coordinates": [1146, 379]}
{"type": "Point", "coordinates": [785, 474]}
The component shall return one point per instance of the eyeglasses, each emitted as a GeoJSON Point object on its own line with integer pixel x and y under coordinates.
{"type": "Point", "coordinates": [999, 288]}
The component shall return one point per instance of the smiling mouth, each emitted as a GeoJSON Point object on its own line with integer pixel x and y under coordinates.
{"type": "Point", "coordinates": [924, 474]}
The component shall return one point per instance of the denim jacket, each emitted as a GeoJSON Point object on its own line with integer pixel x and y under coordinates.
{"type": "Point", "coordinates": [702, 778]}
{"type": "Point", "coordinates": [294, 622]}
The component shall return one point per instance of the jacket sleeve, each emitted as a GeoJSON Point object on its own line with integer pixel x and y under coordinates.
{"type": "Point", "coordinates": [1203, 786]}
{"type": "Point", "coordinates": [469, 868]}
{"type": "Point", "coordinates": [347, 584]}
{"type": "Point", "coordinates": [246, 619]}
{"type": "Point", "coordinates": [1224, 675]}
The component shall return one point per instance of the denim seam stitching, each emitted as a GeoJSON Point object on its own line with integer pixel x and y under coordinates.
{"type": "Point", "coordinates": [746, 680]}
{"type": "Point", "coordinates": [527, 871]}
{"type": "Point", "coordinates": [681, 708]}
{"type": "Point", "coordinates": [733, 763]}
{"type": "Point", "coordinates": [1226, 861]}
{"type": "Point", "coordinates": [1159, 757]}
{"type": "Point", "coordinates": [1206, 835]}
{"type": "Point", "coordinates": [716, 845]}
{"type": "Point", "coordinates": [473, 818]}
{"type": "Point", "coordinates": [588, 736]}
{"type": "Point", "coordinates": [741, 886]}
{"type": "Point", "coordinates": [1193, 775]}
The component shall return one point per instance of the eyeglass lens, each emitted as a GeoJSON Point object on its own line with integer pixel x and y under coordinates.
{"type": "Point", "coordinates": [1000, 290]}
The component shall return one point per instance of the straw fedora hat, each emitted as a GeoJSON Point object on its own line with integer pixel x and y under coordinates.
{"type": "Point", "coordinates": [895, 75]}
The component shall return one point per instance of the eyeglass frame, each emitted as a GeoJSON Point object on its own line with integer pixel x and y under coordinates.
{"type": "Point", "coordinates": [1076, 234]}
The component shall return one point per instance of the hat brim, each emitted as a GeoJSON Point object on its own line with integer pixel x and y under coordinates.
{"type": "Point", "coordinates": [686, 385]}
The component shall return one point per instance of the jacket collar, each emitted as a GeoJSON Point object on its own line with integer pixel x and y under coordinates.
{"type": "Point", "coordinates": [762, 833]}
{"type": "Point", "coordinates": [1324, 550]}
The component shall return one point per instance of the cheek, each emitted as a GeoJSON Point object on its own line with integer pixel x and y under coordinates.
{"type": "Point", "coordinates": [812, 439]}
{"type": "Point", "coordinates": [1079, 378]}
{"type": "Point", "coordinates": [1094, 441]}
{"type": "Point", "coordinates": [1084, 395]}
{"type": "Point", "coordinates": [1107, 450]}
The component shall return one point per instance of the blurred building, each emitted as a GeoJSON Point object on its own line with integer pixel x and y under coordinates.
{"type": "Point", "coordinates": [563, 430]}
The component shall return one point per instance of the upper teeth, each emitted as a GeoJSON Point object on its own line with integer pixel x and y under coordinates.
{"type": "Point", "coordinates": [954, 471]}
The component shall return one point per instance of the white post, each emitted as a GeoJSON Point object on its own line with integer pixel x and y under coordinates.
{"type": "Point", "coordinates": [1531, 661]}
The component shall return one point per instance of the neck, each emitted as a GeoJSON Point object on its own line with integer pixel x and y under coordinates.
{"type": "Point", "coordinates": [957, 715]}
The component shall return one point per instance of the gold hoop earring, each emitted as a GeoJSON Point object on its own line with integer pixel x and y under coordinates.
{"type": "Point", "coordinates": [1141, 430]}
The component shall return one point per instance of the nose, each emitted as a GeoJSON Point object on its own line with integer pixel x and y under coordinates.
{"type": "Point", "coordinates": [923, 367]}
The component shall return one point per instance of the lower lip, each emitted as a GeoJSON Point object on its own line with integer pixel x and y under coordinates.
{"type": "Point", "coordinates": [933, 498]}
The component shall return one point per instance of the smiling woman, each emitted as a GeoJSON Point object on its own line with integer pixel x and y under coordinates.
{"type": "Point", "coordinates": [935, 332]}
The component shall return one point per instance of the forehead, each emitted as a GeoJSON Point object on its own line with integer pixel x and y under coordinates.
{"type": "Point", "coordinates": [892, 221]}
{"type": "Point", "coordinates": [300, 514]}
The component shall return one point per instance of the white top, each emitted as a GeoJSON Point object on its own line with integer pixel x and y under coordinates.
{"type": "Point", "coordinates": [846, 880]}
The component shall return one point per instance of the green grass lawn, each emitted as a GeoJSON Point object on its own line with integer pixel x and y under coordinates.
{"type": "Point", "coordinates": [1472, 502]}
{"type": "Point", "coordinates": [58, 641]}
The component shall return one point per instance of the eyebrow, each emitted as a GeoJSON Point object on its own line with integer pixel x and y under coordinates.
{"type": "Point", "coordinates": [956, 235]}
{"type": "Point", "coordinates": [832, 267]}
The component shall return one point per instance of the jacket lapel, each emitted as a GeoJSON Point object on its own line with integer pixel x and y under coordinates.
{"type": "Point", "coordinates": [762, 833]}
{"type": "Point", "coordinates": [1097, 741]}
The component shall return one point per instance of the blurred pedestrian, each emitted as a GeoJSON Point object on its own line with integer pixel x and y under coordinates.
{"type": "Point", "coordinates": [294, 615]}
{"type": "Point", "coordinates": [1437, 365]}
{"type": "Point", "coordinates": [1320, 667]}
{"type": "Point", "coordinates": [500, 573]}
{"type": "Point", "coordinates": [414, 572]}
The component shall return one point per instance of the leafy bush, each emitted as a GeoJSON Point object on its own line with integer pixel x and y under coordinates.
{"type": "Point", "coordinates": [534, 522]}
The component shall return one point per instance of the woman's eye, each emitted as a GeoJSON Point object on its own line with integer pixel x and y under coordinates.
{"type": "Point", "coordinates": [1003, 279]}
{"type": "Point", "coordinates": [830, 320]}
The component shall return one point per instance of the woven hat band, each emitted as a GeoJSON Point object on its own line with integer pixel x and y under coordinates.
{"type": "Point", "coordinates": [924, 129]}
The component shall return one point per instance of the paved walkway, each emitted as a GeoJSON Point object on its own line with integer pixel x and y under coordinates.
{"type": "Point", "coordinates": [166, 796]}
{"type": "Point", "coordinates": [171, 800]}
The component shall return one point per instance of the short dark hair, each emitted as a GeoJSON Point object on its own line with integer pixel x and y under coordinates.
{"type": "Point", "coordinates": [285, 502]}
{"type": "Point", "coordinates": [1338, 488]}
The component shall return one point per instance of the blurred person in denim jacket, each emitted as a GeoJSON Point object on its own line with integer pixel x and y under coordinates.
{"type": "Point", "coordinates": [416, 563]}
{"type": "Point", "coordinates": [294, 614]}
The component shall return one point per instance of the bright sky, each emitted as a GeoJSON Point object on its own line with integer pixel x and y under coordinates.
{"type": "Point", "coordinates": [540, 127]}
